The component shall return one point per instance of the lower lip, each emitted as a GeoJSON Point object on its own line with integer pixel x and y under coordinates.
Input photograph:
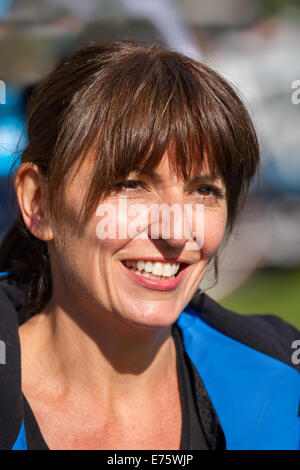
{"type": "Point", "coordinates": [157, 284]}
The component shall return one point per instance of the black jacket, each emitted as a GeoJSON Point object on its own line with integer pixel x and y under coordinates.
{"type": "Point", "coordinates": [264, 341]}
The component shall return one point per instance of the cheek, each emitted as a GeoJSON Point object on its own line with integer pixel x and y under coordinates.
{"type": "Point", "coordinates": [214, 229]}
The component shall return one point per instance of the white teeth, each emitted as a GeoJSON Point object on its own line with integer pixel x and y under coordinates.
{"type": "Point", "coordinates": [140, 265]}
{"type": "Point", "coordinates": [148, 267]}
{"type": "Point", "coordinates": [167, 270]}
{"type": "Point", "coordinates": [153, 270]}
{"type": "Point", "coordinates": [158, 269]}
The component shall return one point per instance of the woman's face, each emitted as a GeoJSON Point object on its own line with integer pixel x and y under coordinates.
{"type": "Point", "coordinates": [106, 262]}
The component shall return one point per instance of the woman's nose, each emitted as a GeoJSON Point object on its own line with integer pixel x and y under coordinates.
{"type": "Point", "coordinates": [169, 222]}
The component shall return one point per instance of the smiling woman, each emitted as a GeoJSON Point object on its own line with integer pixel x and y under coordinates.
{"type": "Point", "coordinates": [107, 318]}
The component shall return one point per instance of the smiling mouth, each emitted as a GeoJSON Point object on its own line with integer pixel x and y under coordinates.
{"type": "Point", "coordinates": [154, 270]}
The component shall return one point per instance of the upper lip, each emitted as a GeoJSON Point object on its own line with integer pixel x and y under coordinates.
{"type": "Point", "coordinates": [160, 260]}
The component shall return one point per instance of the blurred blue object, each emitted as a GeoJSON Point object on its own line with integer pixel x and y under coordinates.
{"type": "Point", "coordinates": [13, 99]}
{"type": "Point", "coordinates": [13, 137]}
{"type": "Point", "coordinates": [11, 129]}
{"type": "Point", "coordinates": [5, 6]}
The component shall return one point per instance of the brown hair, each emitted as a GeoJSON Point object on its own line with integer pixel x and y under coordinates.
{"type": "Point", "coordinates": [130, 102]}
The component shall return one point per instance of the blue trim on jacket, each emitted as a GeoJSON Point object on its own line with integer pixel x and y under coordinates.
{"type": "Point", "coordinates": [21, 442]}
{"type": "Point", "coordinates": [255, 396]}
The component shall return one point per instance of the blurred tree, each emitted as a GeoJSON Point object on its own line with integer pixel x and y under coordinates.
{"type": "Point", "coordinates": [273, 7]}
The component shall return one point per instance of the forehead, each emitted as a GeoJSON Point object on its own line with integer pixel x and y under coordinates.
{"type": "Point", "coordinates": [164, 170]}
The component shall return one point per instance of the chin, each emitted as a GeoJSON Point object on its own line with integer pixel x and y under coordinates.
{"type": "Point", "coordinates": [151, 314]}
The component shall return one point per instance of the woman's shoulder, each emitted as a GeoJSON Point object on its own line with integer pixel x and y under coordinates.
{"type": "Point", "coordinates": [266, 333]}
{"type": "Point", "coordinates": [246, 364]}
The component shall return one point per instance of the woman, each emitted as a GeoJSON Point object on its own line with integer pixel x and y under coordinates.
{"type": "Point", "coordinates": [116, 346]}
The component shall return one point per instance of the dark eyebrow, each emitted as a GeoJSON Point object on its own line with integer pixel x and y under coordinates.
{"type": "Point", "coordinates": [208, 177]}
{"type": "Point", "coordinates": [149, 173]}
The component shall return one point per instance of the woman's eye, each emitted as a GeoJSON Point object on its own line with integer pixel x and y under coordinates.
{"type": "Point", "coordinates": [210, 191]}
{"type": "Point", "coordinates": [129, 184]}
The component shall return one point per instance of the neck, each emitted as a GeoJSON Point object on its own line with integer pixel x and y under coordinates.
{"type": "Point", "coordinates": [101, 354]}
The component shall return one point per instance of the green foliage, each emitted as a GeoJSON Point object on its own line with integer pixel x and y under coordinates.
{"type": "Point", "coordinates": [272, 7]}
{"type": "Point", "coordinates": [275, 291]}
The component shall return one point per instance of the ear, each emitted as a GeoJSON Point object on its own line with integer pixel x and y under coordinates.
{"type": "Point", "coordinates": [31, 188]}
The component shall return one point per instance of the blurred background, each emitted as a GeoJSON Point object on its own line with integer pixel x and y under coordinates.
{"type": "Point", "coordinates": [255, 44]}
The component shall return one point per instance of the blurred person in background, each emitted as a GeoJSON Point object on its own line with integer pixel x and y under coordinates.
{"type": "Point", "coordinates": [110, 343]}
